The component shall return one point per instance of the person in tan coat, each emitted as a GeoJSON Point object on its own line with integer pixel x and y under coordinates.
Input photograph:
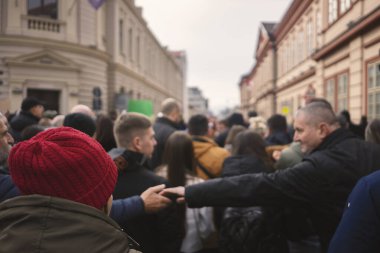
{"type": "Point", "coordinates": [209, 156]}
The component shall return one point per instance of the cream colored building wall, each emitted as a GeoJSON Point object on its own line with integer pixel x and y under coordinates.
{"type": "Point", "coordinates": [245, 91]}
{"type": "Point", "coordinates": [356, 56]}
{"type": "Point", "coordinates": [337, 27]}
{"type": "Point", "coordinates": [293, 60]}
{"type": "Point", "coordinates": [148, 69]}
{"type": "Point", "coordinates": [294, 54]}
{"type": "Point", "coordinates": [292, 65]}
{"type": "Point", "coordinates": [75, 85]}
{"type": "Point", "coordinates": [262, 84]}
{"type": "Point", "coordinates": [293, 98]}
{"type": "Point", "coordinates": [369, 53]}
{"type": "Point", "coordinates": [262, 81]}
{"type": "Point", "coordinates": [89, 40]}
{"type": "Point", "coordinates": [264, 106]}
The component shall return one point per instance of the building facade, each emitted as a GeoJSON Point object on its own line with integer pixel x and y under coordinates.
{"type": "Point", "coordinates": [64, 52]}
{"type": "Point", "coordinates": [197, 103]}
{"type": "Point", "coordinates": [320, 48]}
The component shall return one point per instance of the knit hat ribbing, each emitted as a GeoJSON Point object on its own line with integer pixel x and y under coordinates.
{"type": "Point", "coordinates": [66, 163]}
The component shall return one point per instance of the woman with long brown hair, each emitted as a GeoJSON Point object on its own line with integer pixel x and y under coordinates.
{"type": "Point", "coordinates": [248, 155]}
{"type": "Point", "coordinates": [179, 168]}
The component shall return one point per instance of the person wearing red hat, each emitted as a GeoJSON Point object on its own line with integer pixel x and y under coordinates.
{"type": "Point", "coordinates": [66, 179]}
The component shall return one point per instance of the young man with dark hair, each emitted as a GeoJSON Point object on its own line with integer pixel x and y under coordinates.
{"type": "Point", "coordinates": [135, 141]}
{"type": "Point", "coordinates": [277, 128]}
{"type": "Point", "coordinates": [81, 122]}
{"type": "Point", "coordinates": [208, 155]}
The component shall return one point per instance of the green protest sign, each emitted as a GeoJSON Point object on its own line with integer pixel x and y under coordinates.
{"type": "Point", "coordinates": [142, 106]}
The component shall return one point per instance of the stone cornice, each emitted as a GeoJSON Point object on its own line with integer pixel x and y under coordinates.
{"type": "Point", "coordinates": [298, 79]}
{"type": "Point", "coordinates": [267, 93]}
{"type": "Point", "coordinates": [39, 65]}
{"type": "Point", "coordinates": [53, 44]}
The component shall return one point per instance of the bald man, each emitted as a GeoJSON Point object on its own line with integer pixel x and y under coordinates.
{"type": "Point", "coordinates": [163, 127]}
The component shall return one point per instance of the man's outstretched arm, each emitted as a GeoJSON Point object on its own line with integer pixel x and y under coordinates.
{"type": "Point", "coordinates": [148, 202]}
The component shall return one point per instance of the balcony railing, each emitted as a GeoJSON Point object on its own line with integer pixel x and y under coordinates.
{"type": "Point", "coordinates": [43, 24]}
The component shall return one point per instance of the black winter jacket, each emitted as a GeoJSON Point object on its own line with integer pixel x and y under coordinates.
{"type": "Point", "coordinates": [278, 138]}
{"type": "Point", "coordinates": [321, 183]}
{"type": "Point", "coordinates": [242, 164]}
{"type": "Point", "coordinates": [20, 122]}
{"type": "Point", "coordinates": [163, 128]}
{"type": "Point", "coordinates": [156, 233]}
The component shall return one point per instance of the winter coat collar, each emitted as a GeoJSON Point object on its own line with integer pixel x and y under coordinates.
{"type": "Point", "coordinates": [129, 159]}
{"type": "Point", "coordinates": [166, 121]}
{"type": "Point", "coordinates": [335, 137]}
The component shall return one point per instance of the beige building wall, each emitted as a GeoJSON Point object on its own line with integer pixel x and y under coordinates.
{"type": "Point", "coordinates": [245, 91]}
{"type": "Point", "coordinates": [109, 48]}
{"type": "Point", "coordinates": [331, 53]}
{"type": "Point", "coordinates": [261, 79]}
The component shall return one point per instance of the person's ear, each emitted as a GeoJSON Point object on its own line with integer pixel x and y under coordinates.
{"type": "Point", "coordinates": [323, 130]}
{"type": "Point", "coordinates": [107, 208]}
{"type": "Point", "coordinates": [137, 143]}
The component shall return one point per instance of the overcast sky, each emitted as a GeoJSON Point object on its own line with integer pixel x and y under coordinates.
{"type": "Point", "coordinates": [219, 37]}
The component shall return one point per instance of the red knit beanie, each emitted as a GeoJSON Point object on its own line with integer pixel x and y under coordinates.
{"type": "Point", "coordinates": [66, 163]}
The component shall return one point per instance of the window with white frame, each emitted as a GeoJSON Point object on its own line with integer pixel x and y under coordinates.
{"type": "Point", "coordinates": [333, 11]}
{"type": "Point", "coordinates": [130, 43]}
{"type": "Point", "coordinates": [344, 5]}
{"type": "Point", "coordinates": [300, 47]}
{"type": "Point", "coordinates": [330, 91]}
{"type": "Point", "coordinates": [373, 84]}
{"type": "Point", "coordinates": [319, 28]}
{"type": "Point", "coordinates": [121, 36]}
{"type": "Point", "coordinates": [294, 50]}
{"type": "Point", "coordinates": [309, 37]}
{"type": "Point", "coordinates": [138, 49]}
{"type": "Point", "coordinates": [281, 60]}
{"type": "Point", "coordinates": [336, 91]}
{"type": "Point", "coordinates": [342, 92]}
{"type": "Point", "coordinates": [286, 58]}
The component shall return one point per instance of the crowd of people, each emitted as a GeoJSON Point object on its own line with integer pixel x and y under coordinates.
{"type": "Point", "coordinates": [126, 183]}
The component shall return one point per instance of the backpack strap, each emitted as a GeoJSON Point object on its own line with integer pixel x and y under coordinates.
{"type": "Point", "coordinates": [204, 169]}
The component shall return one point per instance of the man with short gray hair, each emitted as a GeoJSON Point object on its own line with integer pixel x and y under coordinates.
{"type": "Point", "coordinates": [335, 160]}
